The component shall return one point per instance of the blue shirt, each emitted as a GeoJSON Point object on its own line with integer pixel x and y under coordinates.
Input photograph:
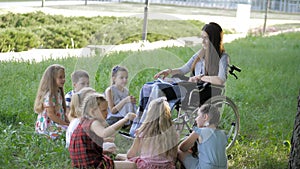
{"type": "Point", "coordinates": [211, 151]}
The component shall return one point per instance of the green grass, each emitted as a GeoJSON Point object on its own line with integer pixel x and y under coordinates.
{"type": "Point", "coordinates": [265, 93]}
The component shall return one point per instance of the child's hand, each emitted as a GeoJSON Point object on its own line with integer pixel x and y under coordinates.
{"type": "Point", "coordinates": [109, 139]}
{"type": "Point", "coordinates": [130, 116]}
{"type": "Point", "coordinates": [131, 99]}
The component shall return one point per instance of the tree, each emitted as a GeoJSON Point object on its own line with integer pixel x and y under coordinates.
{"type": "Point", "coordinates": [294, 160]}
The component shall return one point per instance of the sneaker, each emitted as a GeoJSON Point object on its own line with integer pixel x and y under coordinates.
{"type": "Point", "coordinates": [126, 135]}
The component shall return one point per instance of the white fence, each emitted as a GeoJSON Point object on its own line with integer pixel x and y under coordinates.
{"type": "Point", "coordinates": [289, 6]}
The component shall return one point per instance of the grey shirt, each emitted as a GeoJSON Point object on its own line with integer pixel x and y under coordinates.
{"type": "Point", "coordinates": [200, 66]}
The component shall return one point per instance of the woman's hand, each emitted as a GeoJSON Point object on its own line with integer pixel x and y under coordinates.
{"type": "Point", "coordinates": [163, 73]}
{"type": "Point", "coordinates": [195, 79]}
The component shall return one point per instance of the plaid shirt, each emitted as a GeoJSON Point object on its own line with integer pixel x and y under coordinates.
{"type": "Point", "coordinates": [86, 148]}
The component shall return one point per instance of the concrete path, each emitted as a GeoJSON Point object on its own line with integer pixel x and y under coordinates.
{"type": "Point", "coordinates": [77, 8]}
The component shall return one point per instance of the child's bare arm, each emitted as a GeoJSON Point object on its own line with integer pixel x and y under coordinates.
{"type": "Point", "coordinates": [103, 132]}
{"type": "Point", "coordinates": [135, 147]}
{"type": "Point", "coordinates": [51, 114]}
{"type": "Point", "coordinates": [186, 144]}
{"type": "Point", "coordinates": [115, 108]}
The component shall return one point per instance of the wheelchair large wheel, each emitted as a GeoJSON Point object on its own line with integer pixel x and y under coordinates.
{"type": "Point", "coordinates": [230, 119]}
{"type": "Point", "coordinates": [183, 120]}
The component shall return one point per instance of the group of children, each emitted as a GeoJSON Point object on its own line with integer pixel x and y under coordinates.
{"type": "Point", "coordinates": [91, 120]}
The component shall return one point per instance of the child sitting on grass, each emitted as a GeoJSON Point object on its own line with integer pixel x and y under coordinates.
{"type": "Point", "coordinates": [211, 142]}
{"type": "Point", "coordinates": [86, 146]}
{"type": "Point", "coordinates": [155, 144]}
{"type": "Point", "coordinates": [120, 102]}
{"type": "Point", "coordinates": [50, 103]}
{"type": "Point", "coordinates": [109, 146]}
{"type": "Point", "coordinates": [80, 79]}
{"type": "Point", "coordinates": [75, 111]}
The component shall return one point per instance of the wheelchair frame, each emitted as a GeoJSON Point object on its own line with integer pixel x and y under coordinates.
{"type": "Point", "coordinates": [230, 119]}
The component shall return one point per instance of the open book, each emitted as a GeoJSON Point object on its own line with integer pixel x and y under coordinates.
{"type": "Point", "coordinates": [169, 80]}
{"type": "Point", "coordinates": [174, 79]}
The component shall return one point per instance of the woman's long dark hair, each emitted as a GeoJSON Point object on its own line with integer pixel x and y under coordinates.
{"type": "Point", "coordinates": [216, 48]}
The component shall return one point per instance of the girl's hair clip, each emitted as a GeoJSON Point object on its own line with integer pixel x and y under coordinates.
{"type": "Point", "coordinates": [115, 69]}
{"type": "Point", "coordinates": [162, 99]}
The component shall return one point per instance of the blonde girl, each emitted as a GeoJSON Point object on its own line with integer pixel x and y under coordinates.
{"type": "Point", "coordinates": [50, 102]}
{"type": "Point", "coordinates": [120, 102]}
{"type": "Point", "coordinates": [75, 111]}
{"type": "Point", "coordinates": [155, 144]}
{"type": "Point", "coordinates": [211, 142]}
{"type": "Point", "coordinates": [86, 146]}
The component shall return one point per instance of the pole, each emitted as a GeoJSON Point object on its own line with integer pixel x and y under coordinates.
{"type": "Point", "coordinates": [144, 35]}
{"type": "Point", "coordinates": [43, 2]}
{"type": "Point", "coordinates": [266, 13]}
{"type": "Point", "coordinates": [85, 2]}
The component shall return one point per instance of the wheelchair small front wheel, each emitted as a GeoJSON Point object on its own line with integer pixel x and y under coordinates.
{"type": "Point", "coordinates": [230, 119]}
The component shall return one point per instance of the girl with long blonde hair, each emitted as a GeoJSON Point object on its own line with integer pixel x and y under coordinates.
{"type": "Point", "coordinates": [155, 144]}
{"type": "Point", "coordinates": [50, 102]}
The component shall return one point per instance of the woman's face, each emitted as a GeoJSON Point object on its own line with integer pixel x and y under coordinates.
{"type": "Point", "coordinates": [205, 40]}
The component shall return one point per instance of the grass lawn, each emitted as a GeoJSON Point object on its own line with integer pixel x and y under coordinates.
{"type": "Point", "coordinates": [265, 93]}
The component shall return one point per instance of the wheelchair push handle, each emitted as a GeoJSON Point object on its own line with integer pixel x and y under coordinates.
{"type": "Point", "coordinates": [232, 68]}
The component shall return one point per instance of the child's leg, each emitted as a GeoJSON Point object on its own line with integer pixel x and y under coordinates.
{"type": "Point", "coordinates": [187, 159]}
{"type": "Point", "coordinates": [124, 165]}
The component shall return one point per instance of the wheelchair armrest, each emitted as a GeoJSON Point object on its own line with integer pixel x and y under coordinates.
{"type": "Point", "coordinates": [191, 94]}
{"type": "Point", "coordinates": [202, 84]}
{"type": "Point", "coordinates": [202, 89]}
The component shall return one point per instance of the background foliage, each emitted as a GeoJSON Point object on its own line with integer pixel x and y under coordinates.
{"type": "Point", "coordinates": [19, 32]}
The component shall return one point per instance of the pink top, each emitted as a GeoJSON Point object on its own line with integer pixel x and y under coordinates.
{"type": "Point", "coordinates": [153, 162]}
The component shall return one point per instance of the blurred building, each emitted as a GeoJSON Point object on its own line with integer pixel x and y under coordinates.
{"type": "Point", "coordinates": [288, 6]}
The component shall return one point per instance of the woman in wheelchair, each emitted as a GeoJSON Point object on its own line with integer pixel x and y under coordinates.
{"type": "Point", "coordinates": [209, 64]}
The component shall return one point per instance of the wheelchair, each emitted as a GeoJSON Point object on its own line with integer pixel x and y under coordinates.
{"type": "Point", "coordinates": [184, 109]}
{"type": "Point", "coordinates": [191, 96]}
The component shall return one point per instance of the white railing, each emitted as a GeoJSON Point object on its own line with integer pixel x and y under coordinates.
{"type": "Point", "coordinates": [289, 6]}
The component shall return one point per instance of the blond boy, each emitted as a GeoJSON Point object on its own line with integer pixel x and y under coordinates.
{"type": "Point", "coordinates": [80, 79]}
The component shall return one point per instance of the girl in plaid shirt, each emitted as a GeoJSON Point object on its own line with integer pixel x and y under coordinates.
{"type": "Point", "coordinates": [86, 145]}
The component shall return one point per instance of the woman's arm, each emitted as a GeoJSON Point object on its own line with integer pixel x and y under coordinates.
{"type": "Point", "coordinates": [188, 143]}
{"type": "Point", "coordinates": [213, 80]}
{"type": "Point", "coordinates": [134, 149]}
{"type": "Point", "coordinates": [51, 114]}
{"type": "Point", "coordinates": [182, 70]}
{"type": "Point", "coordinates": [222, 74]}
{"type": "Point", "coordinates": [167, 72]}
